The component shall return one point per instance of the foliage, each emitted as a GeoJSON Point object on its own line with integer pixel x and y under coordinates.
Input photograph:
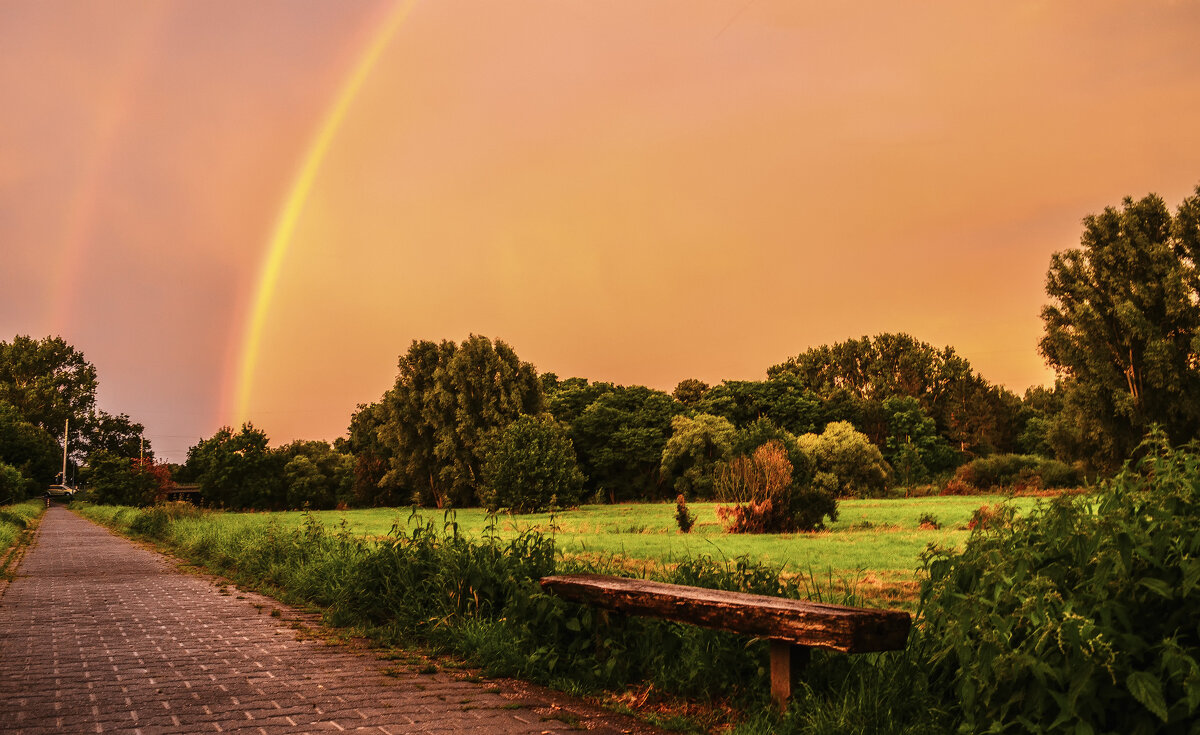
{"type": "Point", "coordinates": [238, 470]}
{"type": "Point", "coordinates": [315, 475]}
{"type": "Point", "coordinates": [1123, 326]}
{"type": "Point", "coordinates": [967, 410]}
{"type": "Point", "coordinates": [447, 400]}
{"type": "Point", "coordinates": [1017, 470]}
{"type": "Point", "coordinates": [530, 466]}
{"type": "Point", "coordinates": [27, 448]}
{"type": "Point", "coordinates": [684, 518]}
{"type": "Point", "coordinates": [698, 447]}
{"type": "Point", "coordinates": [1081, 616]}
{"type": "Point", "coordinates": [113, 479]}
{"type": "Point", "coordinates": [689, 391]}
{"type": "Point", "coordinates": [372, 459]}
{"type": "Point", "coordinates": [14, 519]}
{"type": "Point", "coordinates": [47, 381]}
{"type": "Point", "coordinates": [117, 435]}
{"type": "Point", "coordinates": [620, 438]}
{"type": "Point", "coordinates": [845, 462]}
{"type": "Point", "coordinates": [13, 484]}
{"type": "Point", "coordinates": [913, 447]}
{"type": "Point", "coordinates": [783, 399]}
{"type": "Point", "coordinates": [758, 488]}
{"type": "Point", "coordinates": [929, 521]}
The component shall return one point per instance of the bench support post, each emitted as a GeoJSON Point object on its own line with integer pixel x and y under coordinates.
{"type": "Point", "coordinates": [787, 661]}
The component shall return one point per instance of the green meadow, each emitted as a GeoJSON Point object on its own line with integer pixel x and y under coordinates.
{"type": "Point", "coordinates": [871, 538]}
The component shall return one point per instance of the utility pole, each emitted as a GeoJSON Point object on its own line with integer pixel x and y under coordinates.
{"type": "Point", "coordinates": [66, 435]}
{"type": "Point", "coordinates": [141, 449]}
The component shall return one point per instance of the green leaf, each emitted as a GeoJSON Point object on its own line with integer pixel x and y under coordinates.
{"type": "Point", "coordinates": [573, 625]}
{"type": "Point", "coordinates": [1147, 689]}
{"type": "Point", "coordinates": [1159, 587]}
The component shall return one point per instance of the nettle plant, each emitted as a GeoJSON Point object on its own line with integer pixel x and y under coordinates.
{"type": "Point", "coordinates": [1081, 617]}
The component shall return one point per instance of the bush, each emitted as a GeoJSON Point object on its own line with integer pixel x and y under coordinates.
{"type": "Point", "coordinates": [684, 518]}
{"type": "Point", "coordinates": [1017, 470]}
{"type": "Point", "coordinates": [759, 489]}
{"type": "Point", "coordinates": [1080, 617]}
{"type": "Point", "coordinates": [13, 484]}
{"type": "Point", "coordinates": [529, 467]}
{"type": "Point", "coordinates": [846, 463]}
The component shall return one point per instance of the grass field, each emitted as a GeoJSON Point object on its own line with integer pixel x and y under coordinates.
{"type": "Point", "coordinates": [14, 519]}
{"type": "Point", "coordinates": [872, 538]}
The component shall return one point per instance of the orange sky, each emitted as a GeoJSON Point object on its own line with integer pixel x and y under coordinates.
{"type": "Point", "coordinates": [628, 191]}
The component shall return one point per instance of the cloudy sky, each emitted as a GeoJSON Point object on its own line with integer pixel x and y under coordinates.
{"type": "Point", "coordinates": [248, 210]}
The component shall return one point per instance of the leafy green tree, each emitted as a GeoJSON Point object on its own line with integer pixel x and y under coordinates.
{"type": "Point", "coordinates": [114, 479]}
{"type": "Point", "coordinates": [238, 470]}
{"type": "Point", "coordinates": [316, 475]}
{"type": "Point", "coordinates": [447, 400]}
{"type": "Point", "coordinates": [809, 503]}
{"type": "Point", "coordinates": [620, 437]}
{"type": "Point", "coordinates": [697, 448]}
{"type": "Point", "coordinates": [117, 435]}
{"type": "Point", "coordinates": [845, 462]}
{"type": "Point", "coordinates": [530, 466]}
{"type": "Point", "coordinates": [1123, 324]}
{"type": "Point", "coordinates": [913, 448]}
{"type": "Point", "coordinates": [783, 399]}
{"type": "Point", "coordinates": [27, 448]}
{"type": "Point", "coordinates": [571, 397]}
{"type": "Point", "coordinates": [689, 391]}
{"type": "Point", "coordinates": [14, 485]}
{"type": "Point", "coordinates": [858, 375]}
{"type": "Point", "coordinates": [372, 460]}
{"type": "Point", "coordinates": [47, 381]}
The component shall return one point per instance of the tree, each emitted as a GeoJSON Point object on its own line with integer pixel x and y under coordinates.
{"type": "Point", "coordinates": [530, 466]}
{"type": "Point", "coordinates": [913, 447]}
{"type": "Point", "coordinates": [28, 449]}
{"type": "Point", "coordinates": [372, 459]}
{"type": "Point", "coordinates": [48, 381]}
{"type": "Point", "coordinates": [858, 375]}
{"type": "Point", "coordinates": [696, 450]}
{"type": "Point", "coordinates": [846, 463]}
{"type": "Point", "coordinates": [1123, 324]}
{"type": "Point", "coordinates": [782, 399]}
{"type": "Point", "coordinates": [238, 470]}
{"type": "Point", "coordinates": [114, 479]}
{"type": "Point", "coordinates": [689, 391]}
{"type": "Point", "coordinates": [620, 437]}
{"type": "Point", "coordinates": [117, 435]}
{"type": "Point", "coordinates": [315, 475]}
{"type": "Point", "coordinates": [446, 401]}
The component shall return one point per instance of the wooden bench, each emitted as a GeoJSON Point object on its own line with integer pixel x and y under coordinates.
{"type": "Point", "coordinates": [792, 626]}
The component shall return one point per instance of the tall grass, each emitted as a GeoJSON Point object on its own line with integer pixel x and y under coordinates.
{"type": "Point", "coordinates": [13, 520]}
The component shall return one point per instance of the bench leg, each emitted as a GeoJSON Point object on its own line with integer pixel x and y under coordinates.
{"type": "Point", "coordinates": [787, 661]}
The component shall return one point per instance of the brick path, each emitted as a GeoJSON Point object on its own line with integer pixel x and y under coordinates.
{"type": "Point", "coordinates": [99, 635]}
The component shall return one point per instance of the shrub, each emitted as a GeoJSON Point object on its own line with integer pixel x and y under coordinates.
{"type": "Point", "coordinates": [929, 522]}
{"type": "Point", "coordinates": [684, 518]}
{"type": "Point", "coordinates": [1080, 617]}
{"type": "Point", "coordinates": [13, 484]}
{"type": "Point", "coordinates": [759, 490]}
{"type": "Point", "coordinates": [846, 463]}
{"type": "Point", "coordinates": [1013, 470]}
{"type": "Point", "coordinates": [695, 451]}
{"type": "Point", "coordinates": [529, 467]}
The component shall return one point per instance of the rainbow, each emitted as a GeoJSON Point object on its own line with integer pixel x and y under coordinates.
{"type": "Point", "coordinates": [293, 207]}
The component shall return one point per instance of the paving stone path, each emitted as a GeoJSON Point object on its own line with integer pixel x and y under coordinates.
{"type": "Point", "coordinates": [100, 635]}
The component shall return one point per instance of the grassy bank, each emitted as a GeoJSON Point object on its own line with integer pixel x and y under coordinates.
{"type": "Point", "coordinates": [17, 522]}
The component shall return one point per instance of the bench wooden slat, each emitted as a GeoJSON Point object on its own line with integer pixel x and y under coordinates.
{"type": "Point", "coordinates": [837, 627]}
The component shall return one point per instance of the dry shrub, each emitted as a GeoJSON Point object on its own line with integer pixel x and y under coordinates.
{"type": "Point", "coordinates": [759, 488]}
{"type": "Point", "coordinates": [989, 516]}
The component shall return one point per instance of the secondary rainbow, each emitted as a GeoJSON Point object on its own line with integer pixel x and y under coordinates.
{"type": "Point", "coordinates": [293, 207]}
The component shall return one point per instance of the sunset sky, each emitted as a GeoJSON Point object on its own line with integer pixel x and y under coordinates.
{"type": "Point", "coordinates": [249, 209]}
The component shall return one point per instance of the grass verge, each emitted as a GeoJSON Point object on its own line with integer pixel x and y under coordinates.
{"type": "Point", "coordinates": [17, 525]}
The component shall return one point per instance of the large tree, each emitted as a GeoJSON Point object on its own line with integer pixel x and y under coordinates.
{"type": "Point", "coordinates": [237, 469]}
{"type": "Point", "coordinates": [1123, 325]}
{"type": "Point", "coordinates": [47, 381]}
{"type": "Point", "coordinates": [447, 402]}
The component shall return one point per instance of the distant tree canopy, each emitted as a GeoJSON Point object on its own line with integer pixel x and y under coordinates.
{"type": "Point", "coordinates": [855, 377]}
{"type": "Point", "coordinates": [447, 401]}
{"type": "Point", "coordinates": [530, 466]}
{"type": "Point", "coordinates": [238, 469]}
{"type": "Point", "coordinates": [1123, 330]}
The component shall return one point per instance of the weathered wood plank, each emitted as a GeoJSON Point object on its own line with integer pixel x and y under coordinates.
{"type": "Point", "coordinates": [836, 627]}
{"type": "Point", "coordinates": [787, 661]}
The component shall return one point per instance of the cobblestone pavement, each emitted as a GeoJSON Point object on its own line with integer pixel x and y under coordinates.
{"type": "Point", "coordinates": [100, 635]}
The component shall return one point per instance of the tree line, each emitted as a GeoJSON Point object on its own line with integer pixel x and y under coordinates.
{"type": "Point", "coordinates": [471, 423]}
